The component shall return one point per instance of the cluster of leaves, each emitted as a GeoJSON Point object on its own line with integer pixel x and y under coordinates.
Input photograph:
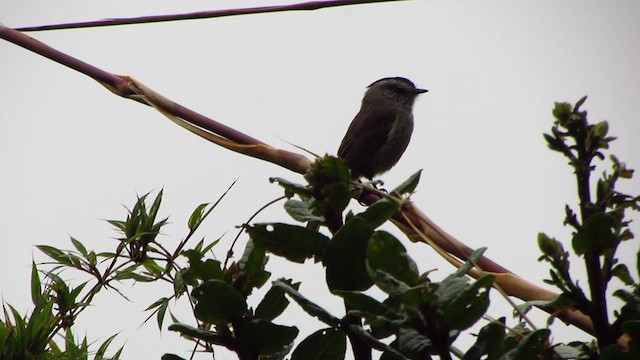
{"type": "Point", "coordinates": [138, 256]}
{"type": "Point", "coordinates": [219, 296]}
{"type": "Point", "coordinates": [413, 318]}
{"type": "Point", "coordinates": [425, 317]}
{"type": "Point", "coordinates": [418, 317]}
{"type": "Point", "coordinates": [599, 227]}
{"type": "Point", "coordinates": [32, 336]}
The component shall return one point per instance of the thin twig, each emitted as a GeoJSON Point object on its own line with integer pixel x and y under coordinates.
{"type": "Point", "coordinates": [230, 251]}
{"type": "Point", "coordinates": [306, 6]}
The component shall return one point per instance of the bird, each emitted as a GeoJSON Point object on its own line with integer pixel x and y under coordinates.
{"type": "Point", "coordinates": [380, 132]}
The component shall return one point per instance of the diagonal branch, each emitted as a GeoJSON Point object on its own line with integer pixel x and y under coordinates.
{"type": "Point", "coordinates": [129, 88]}
{"type": "Point", "coordinates": [410, 220]}
{"type": "Point", "coordinates": [312, 5]}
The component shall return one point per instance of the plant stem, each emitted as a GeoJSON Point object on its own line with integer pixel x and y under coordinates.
{"type": "Point", "coordinates": [361, 351]}
{"type": "Point", "coordinates": [597, 285]}
{"type": "Point", "coordinates": [440, 341]}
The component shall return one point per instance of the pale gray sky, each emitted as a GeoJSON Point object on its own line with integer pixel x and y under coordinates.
{"type": "Point", "coordinates": [71, 153]}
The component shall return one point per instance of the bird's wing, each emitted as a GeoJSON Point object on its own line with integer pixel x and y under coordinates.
{"type": "Point", "coordinates": [364, 138]}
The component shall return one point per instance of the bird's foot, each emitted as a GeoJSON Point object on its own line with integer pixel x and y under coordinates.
{"type": "Point", "coordinates": [375, 183]}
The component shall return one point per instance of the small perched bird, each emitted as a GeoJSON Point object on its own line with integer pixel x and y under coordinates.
{"type": "Point", "coordinates": [380, 132]}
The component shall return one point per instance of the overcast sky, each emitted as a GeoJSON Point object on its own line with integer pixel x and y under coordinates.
{"type": "Point", "coordinates": [72, 154]}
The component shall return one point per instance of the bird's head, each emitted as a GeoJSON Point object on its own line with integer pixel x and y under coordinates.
{"type": "Point", "coordinates": [398, 89]}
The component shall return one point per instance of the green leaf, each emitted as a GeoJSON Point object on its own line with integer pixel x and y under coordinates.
{"type": "Point", "coordinates": [388, 283]}
{"type": "Point", "coordinates": [161, 305]}
{"type": "Point", "coordinates": [92, 258]}
{"type": "Point", "coordinates": [199, 214]}
{"type": "Point", "coordinates": [530, 347]}
{"type": "Point", "coordinates": [218, 302]}
{"type": "Point", "coordinates": [385, 253]}
{"type": "Point", "coordinates": [335, 197]}
{"type": "Point", "coordinates": [469, 304]}
{"type": "Point", "coordinates": [561, 111]}
{"type": "Point", "coordinates": [562, 301]}
{"type": "Point", "coordinates": [265, 338]}
{"type": "Point", "coordinates": [328, 169]}
{"type": "Point", "coordinates": [549, 246]}
{"type": "Point", "coordinates": [295, 243]}
{"type": "Point", "coordinates": [345, 257]}
{"type": "Point", "coordinates": [130, 273]}
{"type": "Point", "coordinates": [601, 129]}
{"type": "Point", "coordinates": [626, 235]}
{"type": "Point", "coordinates": [56, 254]}
{"type": "Point", "coordinates": [370, 340]}
{"type": "Point", "coordinates": [79, 246]}
{"type": "Point", "coordinates": [274, 302]}
{"type": "Point", "coordinates": [181, 279]}
{"type": "Point", "coordinates": [622, 272]}
{"type": "Point", "coordinates": [300, 211]}
{"type": "Point", "coordinates": [152, 267]}
{"type": "Point", "coordinates": [450, 287]}
{"type": "Point", "coordinates": [291, 188]}
{"type": "Point", "coordinates": [473, 259]}
{"type": "Point", "coordinates": [171, 357]}
{"type": "Point", "coordinates": [119, 225]}
{"type": "Point", "coordinates": [153, 211]}
{"type": "Point", "coordinates": [162, 310]}
{"type": "Point", "coordinates": [365, 304]}
{"type": "Point", "coordinates": [421, 295]}
{"type": "Point", "coordinates": [382, 318]}
{"type": "Point", "coordinates": [252, 263]}
{"type": "Point", "coordinates": [489, 341]}
{"type": "Point", "coordinates": [36, 289]}
{"type": "Point", "coordinates": [409, 185]}
{"type": "Point", "coordinates": [207, 336]}
{"type": "Point", "coordinates": [554, 143]}
{"type": "Point", "coordinates": [210, 246]}
{"type": "Point", "coordinates": [413, 344]}
{"type": "Point", "coordinates": [596, 235]}
{"type": "Point", "coordinates": [307, 305]}
{"type": "Point", "coordinates": [204, 270]}
{"type": "Point", "coordinates": [210, 270]}
{"type": "Point", "coordinates": [253, 259]}
{"type": "Point", "coordinates": [382, 326]}
{"type": "Point", "coordinates": [102, 350]}
{"type": "Point", "coordinates": [75, 292]}
{"type": "Point", "coordinates": [324, 344]}
{"type": "Point", "coordinates": [579, 103]}
{"type": "Point", "coordinates": [379, 212]}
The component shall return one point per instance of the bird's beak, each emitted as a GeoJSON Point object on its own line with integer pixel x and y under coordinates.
{"type": "Point", "coordinates": [421, 91]}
